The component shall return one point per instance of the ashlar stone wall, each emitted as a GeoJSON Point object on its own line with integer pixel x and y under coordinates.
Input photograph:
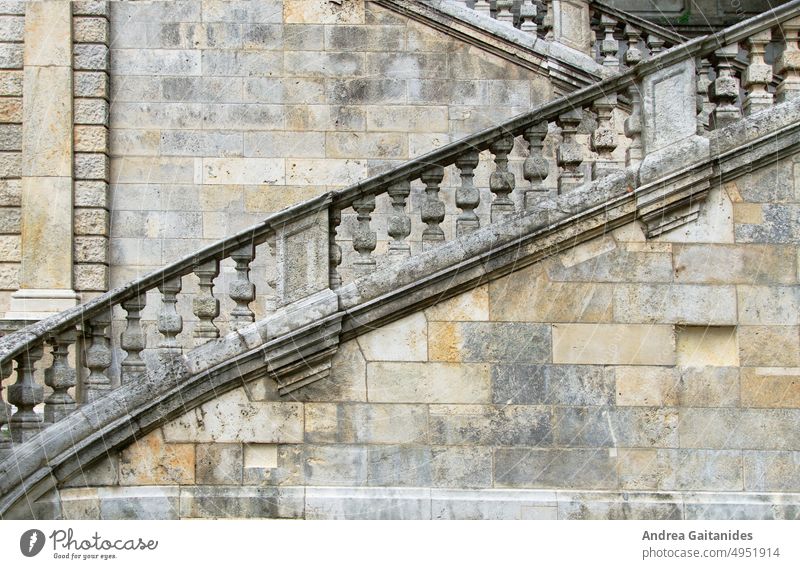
{"type": "Point", "coordinates": [623, 378]}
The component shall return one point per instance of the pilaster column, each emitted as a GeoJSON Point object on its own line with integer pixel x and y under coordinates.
{"type": "Point", "coordinates": [46, 285]}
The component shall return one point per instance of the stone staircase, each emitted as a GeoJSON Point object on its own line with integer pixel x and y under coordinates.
{"type": "Point", "coordinates": [684, 130]}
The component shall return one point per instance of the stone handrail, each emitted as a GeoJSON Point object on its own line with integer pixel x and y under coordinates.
{"type": "Point", "coordinates": [304, 242]}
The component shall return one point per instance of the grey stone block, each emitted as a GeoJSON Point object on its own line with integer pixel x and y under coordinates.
{"type": "Point", "coordinates": [241, 502]}
{"type": "Point", "coordinates": [779, 226]}
{"type": "Point", "coordinates": [615, 427]}
{"type": "Point", "coordinates": [491, 425]}
{"type": "Point", "coordinates": [148, 503]}
{"type": "Point", "coordinates": [461, 467]}
{"type": "Point", "coordinates": [771, 471]}
{"type": "Point", "coordinates": [399, 466]}
{"type": "Point", "coordinates": [367, 91]}
{"type": "Point", "coordinates": [243, 63]}
{"type": "Point", "coordinates": [506, 341]}
{"type": "Point", "coordinates": [688, 469]}
{"type": "Point", "coordinates": [561, 468]}
{"type": "Point", "coordinates": [217, 463]}
{"type": "Point", "coordinates": [335, 465]}
{"type": "Point", "coordinates": [368, 503]}
{"type": "Point", "coordinates": [552, 385]}
{"type": "Point", "coordinates": [493, 505]}
{"type": "Point", "coordinates": [614, 507]}
{"type": "Point", "coordinates": [764, 429]}
{"type": "Point", "coordinates": [90, 57]}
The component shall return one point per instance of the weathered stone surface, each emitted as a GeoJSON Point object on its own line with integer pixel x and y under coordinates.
{"type": "Point", "coordinates": [770, 471]}
{"type": "Point", "coordinates": [263, 467]}
{"type": "Point", "coordinates": [322, 12]}
{"type": "Point", "coordinates": [103, 473]}
{"type": "Point", "coordinates": [769, 305]}
{"type": "Point", "coordinates": [218, 464]}
{"type": "Point", "coordinates": [542, 468]}
{"type": "Point", "coordinates": [769, 345]}
{"type": "Point", "coordinates": [152, 503]}
{"type": "Point", "coordinates": [767, 429]}
{"type": "Point", "coordinates": [707, 346]}
{"type": "Point", "coordinates": [511, 425]}
{"type": "Point", "coordinates": [685, 304]}
{"type": "Point", "coordinates": [472, 305]}
{"type": "Point", "coordinates": [702, 470]}
{"type": "Point", "coordinates": [577, 506]}
{"type": "Point", "coordinates": [241, 502]}
{"type": "Point", "coordinates": [335, 465]}
{"type": "Point", "coordinates": [551, 385]}
{"type": "Point", "coordinates": [776, 227]}
{"type": "Point", "coordinates": [368, 503]}
{"type": "Point", "coordinates": [257, 422]}
{"type": "Point", "coordinates": [365, 423]}
{"type": "Point", "coordinates": [461, 467]}
{"type": "Point", "coordinates": [630, 344]}
{"type": "Point", "coordinates": [151, 461]}
{"type": "Point", "coordinates": [612, 427]}
{"type": "Point", "coordinates": [399, 465]}
{"type": "Point", "coordinates": [771, 387]}
{"type": "Point", "coordinates": [400, 382]}
{"type": "Point", "coordinates": [489, 342]}
{"type": "Point", "coordinates": [685, 387]}
{"type": "Point", "coordinates": [605, 261]}
{"type": "Point", "coordinates": [405, 340]}
{"type": "Point", "coordinates": [729, 264]}
{"type": "Point", "coordinates": [493, 505]}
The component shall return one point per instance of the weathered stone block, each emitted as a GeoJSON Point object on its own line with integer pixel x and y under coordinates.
{"type": "Point", "coordinates": [512, 425]}
{"type": "Point", "coordinates": [364, 38]}
{"type": "Point", "coordinates": [403, 340]}
{"type": "Point", "coordinates": [10, 164]}
{"type": "Point", "coordinates": [90, 57]}
{"type": "Point", "coordinates": [493, 505]}
{"type": "Point", "coordinates": [125, 62]}
{"type": "Point", "coordinates": [626, 344]}
{"type": "Point", "coordinates": [701, 469]}
{"type": "Point", "coordinates": [408, 65]}
{"type": "Point", "coordinates": [707, 346]}
{"type": "Point", "coordinates": [770, 387]}
{"type": "Point", "coordinates": [604, 261]}
{"type": "Point", "coordinates": [770, 471]}
{"type": "Point", "coordinates": [91, 139]}
{"type": "Point", "coordinates": [335, 465]}
{"type": "Point", "coordinates": [218, 464]}
{"type": "Point", "coordinates": [551, 385]}
{"type": "Point", "coordinates": [730, 264]}
{"type": "Point", "coordinates": [151, 461]}
{"type": "Point", "coordinates": [368, 503]}
{"type": "Point", "coordinates": [322, 12]}
{"type": "Point", "coordinates": [777, 227]}
{"type": "Point", "coordinates": [684, 304]}
{"type": "Point", "coordinates": [366, 145]}
{"type": "Point", "coordinates": [612, 427]}
{"type": "Point", "coordinates": [90, 221]}
{"type": "Point", "coordinates": [12, 28]}
{"type": "Point", "coordinates": [226, 63]}
{"type": "Point", "coordinates": [80, 504]}
{"type": "Point", "coordinates": [91, 166]}
{"type": "Point", "coordinates": [9, 276]}
{"type": "Point", "coordinates": [10, 248]}
{"type": "Point", "coordinates": [544, 468]}
{"type": "Point", "coordinates": [406, 382]}
{"type": "Point", "coordinates": [10, 195]}
{"type": "Point", "coordinates": [769, 305]}
{"type": "Point", "coordinates": [241, 502]}
{"type": "Point", "coordinates": [397, 118]}
{"type": "Point", "coordinates": [232, 418]}
{"type": "Point", "coordinates": [360, 423]}
{"type": "Point", "coordinates": [11, 110]}
{"type": "Point", "coordinates": [335, 172]}
{"type": "Point", "coordinates": [91, 249]}
{"type": "Point", "coordinates": [489, 342]}
{"type": "Point", "coordinates": [90, 277]}
{"type": "Point", "coordinates": [10, 83]}
{"type": "Point", "coordinates": [767, 429]}
{"type": "Point", "coordinates": [91, 194]}
{"type": "Point", "coordinates": [461, 467]}
{"type": "Point", "coordinates": [90, 29]}
{"type": "Point", "coordinates": [152, 503]}
{"type": "Point", "coordinates": [90, 111]}
{"type": "Point", "coordinates": [769, 345]}
{"type": "Point", "coordinates": [90, 84]}
{"type": "Point", "coordinates": [472, 305]}
{"type": "Point", "coordinates": [399, 466]}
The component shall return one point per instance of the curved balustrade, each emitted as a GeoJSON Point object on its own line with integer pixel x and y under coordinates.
{"type": "Point", "coordinates": [556, 147]}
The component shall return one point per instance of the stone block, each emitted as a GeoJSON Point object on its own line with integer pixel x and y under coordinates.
{"type": "Point", "coordinates": [335, 465]}
{"type": "Point", "coordinates": [303, 37]}
{"type": "Point", "coordinates": [11, 111]}
{"type": "Point", "coordinates": [706, 346]}
{"type": "Point", "coordinates": [407, 382]}
{"type": "Point", "coordinates": [10, 83]}
{"type": "Point", "coordinates": [124, 142]}
{"type": "Point", "coordinates": [128, 62]}
{"type": "Point", "coordinates": [613, 427]}
{"type": "Point", "coordinates": [10, 196]}
{"type": "Point", "coordinates": [362, 423]}
{"type": "Point", "coordinates": [102, 473]}
{"type": "Point", "coordinates": [47, 34]}
{"type": "Point", "coordinates": [399, 465]}
{"type": "Point", "coordinates": [478, 65]}
{"type": "Point", "coordinates": [91, 194]}
{"type": "Point", "coordinates": [603, 261]}
{"type": "Point", "coordinates": [92, 221]}
{"type": "Point", "coordinates": [90, 277]}
{"type": "Point", "coordinates": [10, 164]}
{"type": "Point", "coordinates": [398, 118]}
{"type": "Point", "coordinates": [262, 36]}
{"type": "Point", "coordinates": [626, 344]}
{"type": "Point", "coordinates": [335, 172]}
{"type": "Point", "coordinates": [90, 29]}
{"type": "Point", "coordinates": [90, 57]}
{"type": "Point", "coordinates": [700, 470]}
{"type": "Point", "coordinates": [238, 11]}
{"type": "Point", "coordinates": [681, 304]}
{"type": "Point", "coordinates": [770, 471]}
{"type": "Point", "coordinates": [368, 503]}
{"type": "Point", "coordinates": [493, 505]}
{"type": "Point", "coordinates": [767, 429]}
{"type": "Point", "coordinates": [585, 469]}
{"type": "Point", "coordinates": [47, 109]}
{"type": "Point", "coordinates": [284, 144]}
{"type": "Point", "coordinates": [662, 386]}
{"type": "Point", "coordinates": [347, 381]}
{"type": "Point", "coordinates": [612, 506]}
{"type": "Point", "coordinates": [255, 422]}
{"type": "Point", "coordinates": [283, 465]}
{"type": "Point", "coordinates": [90, 111]}
{"type": "Point", "coordinates": [366, 145]}
{"type": "Point", "coordinates": [12, 28]}
{"type": "Point", "coordinates": [405, 65]}
{"type": "Point", "coordinates": [91, 249]}
{"type": "Point", "coordinates": [489, 342]}
{"type": "Point", "coordinates": [329, 64]}
{"type": "Point", "coordinates": [90, 139]}
{"type": "Point", "coordinates": [769, 345]}
{"type": "Point", "coordinates": [472, 305]}
{"type": "Point", "coordinates": [91, 166]}
{"type": "Point", "coordinates": [218, 464]}
{"type": "Point", "coordinates": [9, 276]}
{"type": "Point", "coordinates": [167, 170]}
{"type": "Point", "coordinates": [90, 8]}
{"type": "Point", "coordinates": [764, 305]}
{"type": "Point", "coordinates": [772, 184]}
{"type": "Point", "coordinates": [241, 502]}
{"type": "Point", "coordinates": [153, 503]}
{"type": "Point", "coordinates": [323, 12]}
{"type": "Point", "coordinates": [224, 63]}
{"type": "Point", "coordinates": [80, 504]}
{"type": "Point", "coordinates": [365, 38]}
{"type": "Point", "coordinates": [200, 143]}
{"type": "Point", "coordinates": [770, 387]}
{"type": "Point", "coordinates": [778, 226]}
{"type": "Point", "coordinates": [403, 340]}
{"type": "Point", "coordinates": [246, 117]}
{"type": "Point", "coordinates": [731, 264]}
{"type": "Point", "coordinates": [10, 251]}
{"type": "Point", "coordinates": [527, 298]}
{"type": "Point", "coordinates": [461, 467]}
{"type": "Point", "coordinates": [10, 137]}
{"type": "Point", "coordinates": [151, 460]}
{"type": "Point", "coordinates": [511, 425]}
{"type": "Point", "coordinates": [519, 384]}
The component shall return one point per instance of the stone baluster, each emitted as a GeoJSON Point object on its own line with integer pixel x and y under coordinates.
{"type": "Point", "coordinates": [757, 75]}
{"type": "Point", "coordinates": [633, 128]}
{"type": "Point", "coordinates": [504, 11]}
{"type": "Point", "coordinates": [204, 305]}
{"type": "Point", "coordinates": [271, 302]}
{"type": "Point", "coordinates": [468, 197]}
{"type": "Point", "coordinates": [704, 105]}
{"type": "Point", "coordinates": [242, 291]}
{"type": "Point", "coordinates": [399, 223]}
{"type": "Point", "coordinates": [788, 64]}
{"type": "Point", "coordinates": [569, 155]}
{"type": "Point", "coordinates": [132, 340]}
{"type": "Point", "coordinates": [724, 90]}
{"type": "Point", "coordinates": [432, 211]}
{"type": "Point", "coordinates": [609, 46]}
{"type": "Point", "coordinates": [26, 394]}
{"type": "Point", "coordinates": [655, 44]}
{"type": "Point", "coordinates": [334, 250]}
{"type": "Point", "coordinates": [97, 358]}
{"type": "Point", "coordinates": [502, 182]}
{"type": "Point", "coordinates": [536, 167]}
{"type": "Point", "coordinates": [364, 239]}
{"type": "Point", "coordinates": [604, 138]}
{"type": "Point", "coordinates": [633, 55]}
{"type": "Point", "coordinates": [483, 7]}
{"type": "Point", "coordinates": [527, 17]}
{"type": "Point", "coordinates": [170, 323]}
{"type": "Point", "coordinates": [60, 377]}
{"type": "Point", "coordinates": [5, 409]}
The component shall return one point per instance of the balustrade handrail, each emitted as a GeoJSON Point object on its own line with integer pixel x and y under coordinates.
{"type": "Point", "coordinates": [15, 344]}
{"type": "Point", "coordinates": [639, 22]}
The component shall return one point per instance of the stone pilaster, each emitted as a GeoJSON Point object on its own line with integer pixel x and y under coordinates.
{"type": "Point", "coordinates": [46, 283]}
